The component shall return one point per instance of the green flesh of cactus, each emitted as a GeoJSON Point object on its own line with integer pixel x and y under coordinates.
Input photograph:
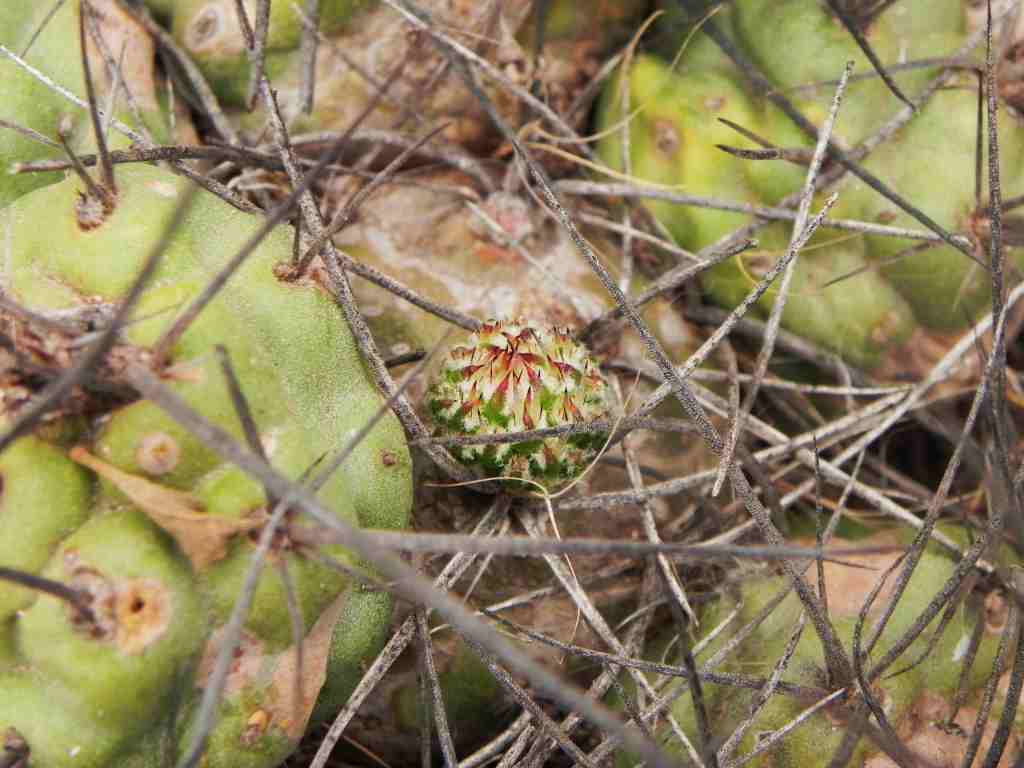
{"type": "Point", "coordinates": [126, 682]}
{"type": "Point", "coordinates": [902, 696]}
{"type": "Point", "coordinates": [867, 298]}
{"type": "Point", "coordinates": [210, 32]}
{"type": "Point", "coordinates": [363, 40]}
{"type": "Point", "coordinates": [55, 52]}
{"type": "Point", "coordinates": [515, 376]}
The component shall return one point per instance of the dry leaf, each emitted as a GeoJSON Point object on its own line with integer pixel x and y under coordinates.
{"type": "Point", "coordinates": [202, 537]}
{"type": "Point", "coordinates": [288, 715]}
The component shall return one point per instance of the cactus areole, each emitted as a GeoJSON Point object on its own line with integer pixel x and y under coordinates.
{"type": "Point", "coordinates": [518, 376]}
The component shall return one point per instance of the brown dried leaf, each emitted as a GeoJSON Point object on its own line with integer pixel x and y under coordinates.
{"type": "Point", "coordinates": [289, 716]}
{"type": "Point", "coordinates": [201, 537]}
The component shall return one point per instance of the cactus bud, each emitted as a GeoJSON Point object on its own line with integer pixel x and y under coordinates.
{"type": "Point", "coordinates": [517, 376]}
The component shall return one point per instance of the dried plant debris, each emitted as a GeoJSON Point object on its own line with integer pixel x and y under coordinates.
{"type": "Point", "coordinates": [362, 41]}
{"type": "Point", "coordinates": [741, 278]}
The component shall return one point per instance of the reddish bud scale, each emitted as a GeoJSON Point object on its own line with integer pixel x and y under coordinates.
{"type": "Point", "coordinates": [515, 376]}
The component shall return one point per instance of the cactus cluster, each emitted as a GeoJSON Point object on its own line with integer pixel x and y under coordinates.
{"type": "Point", "coordinates": [924, 695]}
{"type": "Point", "coordinates": [496, 255]}
{"type": "Point", "coordinates": [138, 517]}
{"type": "Point", "coordinates": [116, 500]}
{"type": "Point", "coordinates": [131, 536]}
{"type": "Point", "coordinates": [882, 302]}
{"type": "Point", "coordinates": [363, 41]}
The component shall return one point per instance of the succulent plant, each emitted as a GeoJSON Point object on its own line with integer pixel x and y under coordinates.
{"type": "Point", "coordinates": [917, 694]}
{"type": "Point", "coordinates": [498, 255]}
{"type": "Point", "coordinates": [116, 500]}
{"type": "Point", "coordinates": [209, 30]}
{"type": "Point", "coordinates": [152, 532]}
{"type": "Point", "coordinates": [517, 376]}
{"type": "Point", "coordinates": [885, 303]}
{"type": "Point", "coordinates": [478, 707]}
{"type": "Point", "coordinates": [50, 44]}
{"type": "Point", "coordinates": [364, 40]}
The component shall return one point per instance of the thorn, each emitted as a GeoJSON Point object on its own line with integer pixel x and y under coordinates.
{"type": "Point", "coordinates": [42, 26]}
{"type": "Point", "coordinates": [93, 190]}
{"type": "Point", "coordinates": [257, 55]}
{"type": "Point", "coordinates": [106, 166]}
{"type": "Point", "coordinates": [796, 156]}
{"type": "Point", "coordinates": [307, 54]}
{"type": "Point", "coordinates": [854, 27]}
{"type": "Point", "coordinates": [244, 25]}
{"type": "Point", "coordinates": [77, 599]}
{"type": "Point", "coordinates": [746, 132]}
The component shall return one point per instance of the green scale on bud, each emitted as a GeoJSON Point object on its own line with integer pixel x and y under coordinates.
{"type": "Point", "coordinates": [517, 376]}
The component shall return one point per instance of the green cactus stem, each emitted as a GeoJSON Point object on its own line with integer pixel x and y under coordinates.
{"type": "Point", "coordinates": [916, 694]}
{"type": "Point", "coordinates": [886, 304]}
{"type": "Point", "coordinates": [115, 499]}
{"type": "Point", "coordinates": [55, 52]}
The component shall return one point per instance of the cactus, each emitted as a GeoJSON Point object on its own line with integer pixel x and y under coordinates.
{"type": "Point", "coordinates": [478, 708]}
{"type": "Point", "coordinates": [890, 307]}
{"type": "Point", "coordinates": [55, 52]}
{"type": "Point", "coordinates": [210, 32]}
{"type": "Point", "coordinates": [917, 702]}
{"type": "Point", "coordinates": [152, 532]}
{"type": "Point", "coordinates": [527, 265]}
{"type": "Point", "coordinates": [115, 499]}
{"type": "Point", "coordinates": [516, 376]}
{"type": "Point", "coordinates": [364, 41]}
{"type": "Point", "coordinates": [445, 248]}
